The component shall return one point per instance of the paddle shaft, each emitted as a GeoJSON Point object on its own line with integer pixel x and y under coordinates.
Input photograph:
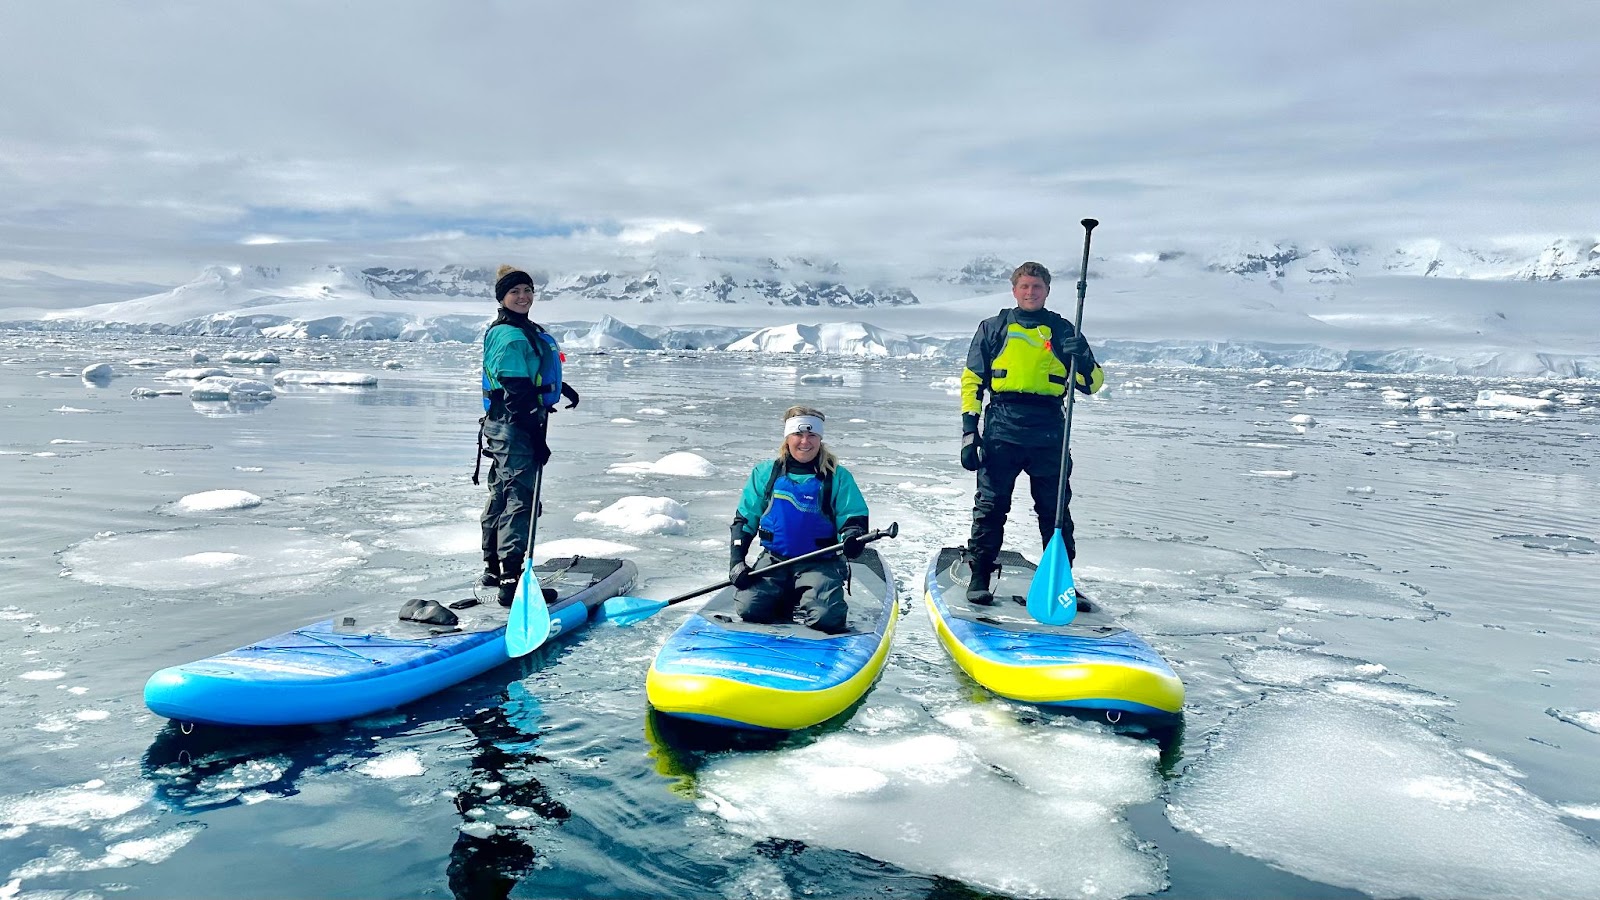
{"type": "Point", "coordinates": [1072, 381]}
{"type": "Point", "coordinates": [890, 532]}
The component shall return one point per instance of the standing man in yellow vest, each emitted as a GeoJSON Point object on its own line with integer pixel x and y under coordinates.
{"type": "Point", "coordinates": [1020, 358]}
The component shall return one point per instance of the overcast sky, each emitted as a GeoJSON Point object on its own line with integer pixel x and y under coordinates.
{"type": "Point", "coordinates": [140, 141]}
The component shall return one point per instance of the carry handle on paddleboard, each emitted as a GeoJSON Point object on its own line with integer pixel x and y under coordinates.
{"type": "Point", "coordinates": [628, 610]}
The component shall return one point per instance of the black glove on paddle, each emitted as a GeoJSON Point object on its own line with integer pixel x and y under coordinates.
{"type": "Point", "coordinates": [740, 575]}
{"type": "Point", "coordinates": [1072, 346]}
{"type": "Point", "coordinates": [854, 538]}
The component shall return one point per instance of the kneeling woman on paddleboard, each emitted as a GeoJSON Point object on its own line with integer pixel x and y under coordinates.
{"type": "Point", "coordinates": [799, 502]}
{"type": "Point", "coordinates": [521, 383]}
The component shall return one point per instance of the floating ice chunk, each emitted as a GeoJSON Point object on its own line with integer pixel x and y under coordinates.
{"type": "Point", "coordinates": [194, 374]}
{"type": "Point", "coordinates": [78, 806]}
{"type": "Point", "coordinates": [394, 764]}
{"type": "Point", "coordinates": [819, 378]}
{"type": "Point", "coordinates": [1263, 383]}
{"type": "Point", "coordinates": [652, 411]}
{"type": "Point", "coordinates": [249, 774]}
{"type": "Point", "coordinates": [939, 490]}
{"type": "Point", "coordinates": [870, 794]}
{"type": "Point", "coordinates": [251, 357]}
{"type": "Point", "coordinates": [1390, 395]}
{"type": "Point", "coordinates": [215, 501]}
{"type": "Point", "coordinates": [622, 421]}
{"type": "Point", "coordinates": [1361, 796]}
{"type": "Point", "coordinates": [392, 364]}
{"type": "Point", "coordinates": [1341, 595]}
{"type": "Point", "coordinates": [1302, 419]}
{"type": "Point", "coordinates": [1388, 694]}
{"type": "Point", "coordinates": [223, 387]}
{"type": "Point", "coordinates": [683, 464]}
{"type": "Point", "coordinates": [641, 515]}
{"type": "Point", "coordinates": [91, 715]}
{"type": "Point", "coordinates": [145, 363]}
{"type": "Point", "coordinates": [145, 393]}
{"type": "Point", "coordinates": [1293, 668]}
{"type": "Point", "coordinates": [1581, 811]}
{"type": "Point", "coordinates": [296, 376]}
{"type": "Point", "coordinates": [951, 386]}
{"type": "Point", "coordinates": [1197, 617]}
{"type": "Point", "coordinates": [1364, 489]}
{"type": "Point", "coordinates": [1358, 385]}
{"type": "Point", "coordinates": [1274, 473]}
{"type": "Point", "coordinates": [69, 409]}
{"type": "Point", "coordinates": [42, 675]}
{"type": "Point", "coordinates": [1427, 401]}
{"type": "Point", "coordinates": [198, 356]}
{"type": "Point", "coordinates": [1492, 399]}
{"type": "Point", "coordinates": [98, 372]}
{"type": "Point", "coordinates": [1443, 436]}
{"type": "Point", "coordinates": [248, 559]}
{"type": "Point", "coordinates": [1587, 719]}
{"type": "Point", "coordinates": [450, 539]}
{"type": "Point", "coordinates": [592, 547]}
{"type": "Point", "coordinates": [1298, 384]}
{"type": "Point", "coordinates": [478, 829]}
{"type": "Point", "coordinates": [1312, 392]}
{"type": "Point", "coordinates": [1300, 638]}
{"type": "Point", "coordinates": [1149, 563]}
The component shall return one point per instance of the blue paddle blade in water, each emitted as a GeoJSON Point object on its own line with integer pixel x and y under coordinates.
{"type": "Point", "coordinates": [529, 624]}
{"type": "Point", "coordinates": [628, 610]}
{"type": "Point", "coordinates": [1052, 597]}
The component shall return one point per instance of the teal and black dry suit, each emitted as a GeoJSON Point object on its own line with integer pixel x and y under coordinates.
{"type": "Point", "coordinates": [521, 383]}
{"type": "Point", "coordinates": [796, 511]}
{"type": "Point", "coordinates": [1014, 358]}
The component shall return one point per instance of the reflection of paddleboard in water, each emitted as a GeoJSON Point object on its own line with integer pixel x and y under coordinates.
{"type": "Point", "coordinates": [344, 668]}
{"type": "Point", "coordinates": [1091, 664]}
{"type": "Point", "coordinates": [719, 669]}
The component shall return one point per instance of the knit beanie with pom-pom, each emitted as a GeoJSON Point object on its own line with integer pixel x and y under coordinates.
{"type": "Point", "coordinates": [508, 277]}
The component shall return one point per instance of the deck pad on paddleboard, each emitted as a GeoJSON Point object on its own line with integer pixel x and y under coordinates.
{"type": "Point", "coordinates": [1091, 663]}
{"type": "Point", "coordinates": [329, 671]}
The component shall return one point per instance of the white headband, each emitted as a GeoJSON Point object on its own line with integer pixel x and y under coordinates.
{"type": "Point", "coordinates": [802, 425]}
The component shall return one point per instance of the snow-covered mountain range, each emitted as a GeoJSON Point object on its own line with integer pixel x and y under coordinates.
{"type": "Point", "coordinates": [1424, 307]}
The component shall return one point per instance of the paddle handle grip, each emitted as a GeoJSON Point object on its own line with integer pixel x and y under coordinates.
{"type": "Point", "coordinates": [892, 531]}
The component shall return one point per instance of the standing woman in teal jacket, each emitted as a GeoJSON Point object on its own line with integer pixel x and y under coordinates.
{"type": "Point", "coordinates": [521, 383]}
{"type": "Point", "coordinates": [799, 502]}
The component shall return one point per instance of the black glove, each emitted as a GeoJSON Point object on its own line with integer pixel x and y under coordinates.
{"type": "Point", "coordinates": [738, 549]}
{"type": "Point", "coordinates": [971, 452]}
{"type": "Point", "coordinates": [854, 538]}
{"type": "Point", "coordinates": [541, 449]}
{"type": "Point", "coordinates": [571, 393]}
{"type": "Point", "coordinates": [1072, 346]}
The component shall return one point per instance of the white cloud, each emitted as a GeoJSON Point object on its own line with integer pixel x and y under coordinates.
{"type": "Point", "coordinates": [168, 135]}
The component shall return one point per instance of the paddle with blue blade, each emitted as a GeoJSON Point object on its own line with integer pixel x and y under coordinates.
{"type": "Point", "coordinates": [1052, 597]}
{"type": "Point", "coordinates": [629, 610]}
{"type": "Point", "coordinates": [529, 624]}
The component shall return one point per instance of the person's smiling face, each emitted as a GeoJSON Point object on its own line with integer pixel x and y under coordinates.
{"type": "Point", "coordinates": [804, 446]}
{"type": "Point", "coordinates": [519, 299]}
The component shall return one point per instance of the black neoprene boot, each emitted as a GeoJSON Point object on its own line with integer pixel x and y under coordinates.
{"type": "Point", "coordinates": [510, 578]}
{"type": "Point", "coordinates": [491, 572]}
{"type": "Point", "coordinates": [978, 591]}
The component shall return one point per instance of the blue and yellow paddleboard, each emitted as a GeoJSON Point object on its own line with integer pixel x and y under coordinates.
{"type": "Point", "coordinates": [720, 670]}
{"type": "Point", "coordinates": [1090, 665]}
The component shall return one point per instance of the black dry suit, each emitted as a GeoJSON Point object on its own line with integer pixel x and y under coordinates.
{"type": "Point", "coordinates": [1017, 360]}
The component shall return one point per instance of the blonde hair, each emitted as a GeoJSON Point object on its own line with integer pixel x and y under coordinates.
{"type": "Point", "coordinates": [826, 461]}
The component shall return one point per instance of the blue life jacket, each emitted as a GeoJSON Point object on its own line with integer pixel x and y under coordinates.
{"type": "Point", "coordinates": [547, 379]}
{"type": "Point", "coordinates": [799, 515]}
